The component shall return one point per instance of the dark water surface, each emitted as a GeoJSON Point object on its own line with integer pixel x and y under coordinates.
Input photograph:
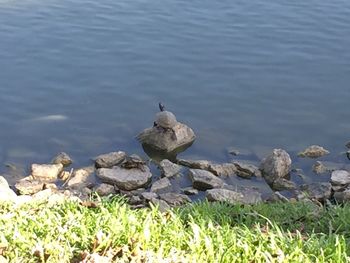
{"type": "Point", "coordinates": [250, 74]}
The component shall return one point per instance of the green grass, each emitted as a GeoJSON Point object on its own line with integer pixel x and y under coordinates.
{"type": "Point", "coordinates": [204, 232]}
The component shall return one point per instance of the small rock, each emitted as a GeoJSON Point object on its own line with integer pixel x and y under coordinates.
{"type": "Point", "coordinates": [81, 178]}
{"type": "Point", "coordinates": [190, 191]}
{"type": "Point", "coordinates": [340, 177]}
{"type": "Point", "coordinates": [46, 172]}
{"type": "Point", "coordinates": [283, 184]}
{"type": "Point", "coordinates": [174, 199]}
{"type": "Point", "coordinates": [169, 169]}
{"type": "Point", "coordinates": [149, 196]}
{"type": "Point", "coordinates": [51, 186]}
{"type": "Point", "coordinates": [109, 160]}
{"type": "Point", "coordinates": [6, 193]}
{"type": "Point", "coordinates": [313, 151]}
{"type": "Point", "coordinates": [230, 196]}
{"type": "Point", "coordinates": [62, 158]}
{"type": "Point", "coordinates": [161, 185]}
{"type": "Point", "coordinates": [161, 204]}
{"type": "Point", "coordinates": [195, 164]}
{"type": "Point", "coordinates": [343, 196]}
{"type": "Point", "coordinates": [135, 200]}
{"type": "Point", "coordinates": [319, 168]}
{"type": "Point", "coordinates": [276, 165]}
{"type": "Point", "coordinates": [225, 169]}
{"type": "Point", "coordinates": [203, 180]}
{"type": "Point", "coordinates": [28, 186]}
{"type": "Point", "coordinates": [125, 179]}
{"type": "Point", "coordinates": [247, 170]}
{"type": "Point", "coordinates": [105, 189]}
{"type": "Point", "coordinates": [318, 191]}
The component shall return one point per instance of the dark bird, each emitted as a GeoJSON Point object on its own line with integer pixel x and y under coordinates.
{"type": "Point", "coordinates": [161, 106]}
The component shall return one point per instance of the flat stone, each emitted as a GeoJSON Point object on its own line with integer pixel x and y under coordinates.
{"type": "Point", "coordinates": [313, 151]}
{"type": "Point", "coordinates": [283, 184]}
{"type": "Point", "coordinates": [225, 169]}
{"type": "Point", "coordinates": [343, 196]}
{"type": "Point", "coordinates": [174, 199]}
{"type": "Point", "coordinates": [28, 186]}
{"type": "Point", "coordinates": [169, 169]}
{"type": "Point", "coordinates": [125, 179]}
{"type": "Point", "coordinates": [195, 164]}
{"type": "Point", "coordinates": [109, 160]}
{"type": "Point", "coordinates": [319, 168]}
{"type": "Point", "coordinates": [167, 140]}
{"type": "Point", "coordinates": [276, 165]}
{"type": "Point", "coordinates": [203, 180]}
{"type": "Point", "coordinates": [46, 172]}
{"type": "Point", "coordinates": [318, 191]}
{"type": "Point", "coordinates": [62, 158]}
{"type": "Point", "coordinates": [247, 170]}
{"type": "Point", "coordinates": [105, 189]}
{"type": "Point", "coordinates": [190, 191]}
{"type": "Point", "coordinates": [161, 185]}
{"type": "Point", "coordinates": [230, 196]}
{"type": "Point", "coordinates": [340, 177]}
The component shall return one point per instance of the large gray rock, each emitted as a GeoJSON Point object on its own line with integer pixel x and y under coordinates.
{"type": "Point", "coordinates": [318, 191]}
{"type": "Point", "coordinates": [125, 179]}
{"type": "Point", "coordinates": [276, 165]}
{"type": "Point", "coordinates": [246, 170]}
{"type": "Point", "coordinates": [233, 197]}
{"type": "Point", "coordinates": [161, 185]}
{"type": "Point", "coordinates": [313, 151]}
{"type": "Point", "coordinates": [46, 172]}
{"type": "Point", "coordinates": [6, 194]}
{"type": "Point", "coordinates": [167, 140]}
{"type": "Point", "coordinates": [195, 164]}
{"type": "Point", "coordinates": [203, 180]}
{"type": "Point", "coordinates": [28, 186]}
{"type": "Point", "coordinates": [225, 169]}
{"type": "Point", "coordinates": [169, 169]}
{"type": "Point", "coordinates": [62, 158]}
{"type": "Point", "coordinates": [109, 160]}
{"type": "Point", "coordinates": [174, 199]}
{"type": "Point", "coordinates": [340, 177]}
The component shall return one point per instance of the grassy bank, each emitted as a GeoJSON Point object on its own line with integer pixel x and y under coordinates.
{"type": "Point", "coordinates": [204, 232]}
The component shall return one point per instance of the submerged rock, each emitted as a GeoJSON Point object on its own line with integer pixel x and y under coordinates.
{"type": "Point", "coordinates": [347, 144]}
{"type": "Point", "coordinates": [62, 158]}
{"type": "Point", "coordinates": [313, 151]}
{"type": "Point", "coordinates": [319, 168]}
{"type": "Point", "coordinates": [46, 172]}
{"type": "Point", "coordinates": [203, 180]}
{"type": "Point", "coordinates": [169, 169]}
{"type": "Point", "coordinates": [125, 179]}
{"type": "Point", "coordinates": [340, 177]}
{"type": "Point", "coordinates": [109, 160]}
{"type": "Point", "coordinates": [276, 165]}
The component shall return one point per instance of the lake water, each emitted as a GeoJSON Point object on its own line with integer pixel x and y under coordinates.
{"type": "Point", "coordinates": [249, 74]}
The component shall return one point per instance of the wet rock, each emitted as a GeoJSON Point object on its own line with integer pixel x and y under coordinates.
{"type": "Point", "coordinates": [169, 169]}
{"type": "Point", "coordinates": [28, 186]}
{"type": "Point", "coordinates": [247, 170]}
{"type": "Point", "coordinates": [125, 179]}
{"type": "Point", "coordinates": [174, 199]}
{"type": "Point", "coordinates": [109, 160]}
{"type": "Point", "coordinates": [319, 168]}
{"type": "Point", "coordinates": [276, 165]}
{"type": "Point", "coordinates": [318, 191]}
{"type": "Point", "coordinates": [225, 169]}
{"type": "Point", "coordinates": [195, 164]}
{"type": "Point", "coordinates": [283, 184]}
{"type": "Point", "coordinates": [6, 193]}
{"type": "Point", "coordinates": [46, 172]}
{"type": "Point", "coordinates": [313, 151]}
{"type": "Point", "coordinates": [231, 196]}
{"type": "Point", "coordinates": [348, 144]}
{"type": "Point", "coordinates": [340, 177]}
{"type": "Point", "coordinates": [343, 196]}
{"type": "Point", "coordinates": [161, 185]}
{"type": "Point", "coordinates": [149, 196]}
{"type": "Point", "coordinates": [105, 189]}
{"type": "Point", "coordinates": [203, 180]}
{"type": "Point", "coordinates": [190, 191]}
{"type": "Point", "coordinates": [167, 139]}
{"type": "Point", "coordinates": [80, 178]}
{"type": "Point", "coordinates": [62, 158]}
{"type": "Point", "coordinates": [161, 204]}
{"type": "Point", "coordinates": [233, 151]}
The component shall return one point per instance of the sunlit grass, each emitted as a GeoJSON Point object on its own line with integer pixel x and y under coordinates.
{"type": "Point", "coordinates": [204, 232]}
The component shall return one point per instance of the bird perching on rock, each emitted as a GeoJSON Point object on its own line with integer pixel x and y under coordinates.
{"type": "Point", "coordinates": [167, 134]}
